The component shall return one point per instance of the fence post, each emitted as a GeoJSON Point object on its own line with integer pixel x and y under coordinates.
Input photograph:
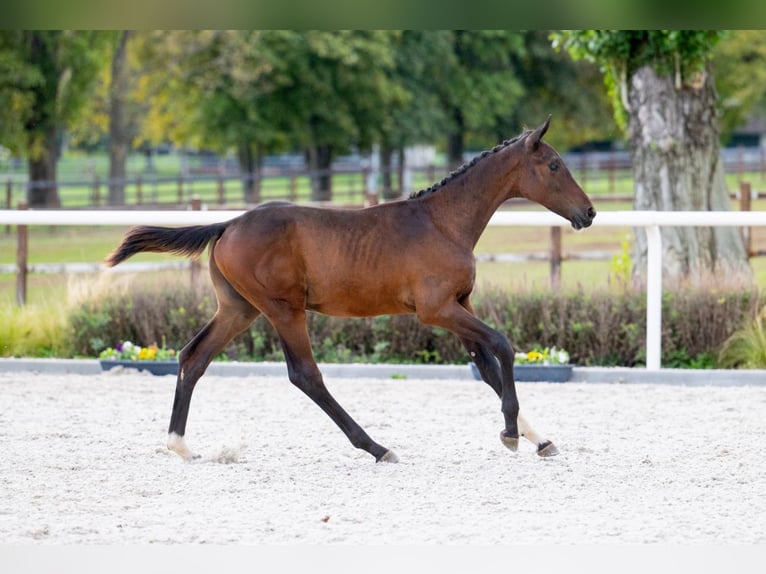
{"type": "Point", "coordinates": [22, 255]}
{"type": "Point", "coordinates": [653, 297]}
{"type": "Point", "coordinates": [180, 189]}
{"type": "Point", "coordinates": [745, 205]}
{"type": "Point", "coordinates": [195, 266]}
{"type": "Point", "coordinates": [255, 187]}
{"type": "Point", "coordinates": [293, 185]}
{"type": "Point", "coordinates": [221, 189]}
{"type": "Point", "coordinates": [139, 190]}
{"type": "Point", "coordinates": [96, 190]}
{"type": "Point", "coordinates": [555, 257]}
{"type": "Point", "coordinates": [8, 201]}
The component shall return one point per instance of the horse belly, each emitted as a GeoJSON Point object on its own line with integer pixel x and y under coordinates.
{"type": "Point", "coordinates": [354, 298]}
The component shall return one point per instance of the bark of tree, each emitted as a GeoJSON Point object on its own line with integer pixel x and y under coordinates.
{"type": "Point", "coordinates": [43, 191]}
{"type": "Point", "coordinates": [386, 173]}
{"type": "Point", "coordinates": [674, 141]}
{"type": "Point", "coordinates": [249, 167]}
{"type": "Point", "coordinates": [456, 141]}
{"type": "Point", "coordinates": [42, 140]}
{"type": "Point", "coordinates": [320, 164]}
{"type": "Point", "coordinates": [118, 130]}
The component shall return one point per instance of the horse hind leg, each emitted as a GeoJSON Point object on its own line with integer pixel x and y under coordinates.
{"type": "Point", "coordinates": [305, 374]}
{"type": "Point", "coordinates": [233, 316]}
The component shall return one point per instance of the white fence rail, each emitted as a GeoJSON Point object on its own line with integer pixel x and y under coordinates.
{"type": "Point", "coordinates": [650, 220]}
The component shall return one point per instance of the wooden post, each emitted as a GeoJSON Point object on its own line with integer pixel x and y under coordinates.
{"type": "Point", "coordinates": [96, 191]}
{"type": "Point", "coordinates": [221, 189]}
{"type": "Point", "coordinates": [181, 189]}
{"type": "Point", "coordinates": [22, 255]}
{"type": "Point", "coordinates": [745, 205]}
{"type": "Point", "coordinates": [139, 190]}
{"type": "Point", "coordinates": [8, 201]}
{"type": "Point", "coordinates": [293, 186]}
{"type": "Point", "coordinates": [556, 258]}
{"type": "Point", "coordinates": [195, 266]}
{"type": "Point", "coordinates": [255, 192]}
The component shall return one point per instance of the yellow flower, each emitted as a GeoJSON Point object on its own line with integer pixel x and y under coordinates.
{"type": "Point", "coordinates": [534, 356]}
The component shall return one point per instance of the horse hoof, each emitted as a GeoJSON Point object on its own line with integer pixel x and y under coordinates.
{"type": "Point", "coordinates": [511, 442]}
{"type": "Point", "coordinates": [390, 456]}
{"type": "Point", "coordinates": [177, 444]}
{"type": "Point", "coordinates": [547, 449]}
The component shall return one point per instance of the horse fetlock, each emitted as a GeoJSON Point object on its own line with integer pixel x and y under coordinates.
{"type": "Point", "coordinates": [178, 445]}
{"type": "Point", "coordinates": [510, 442]}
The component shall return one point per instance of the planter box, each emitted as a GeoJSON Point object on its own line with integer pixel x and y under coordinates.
{"type": "Point", "coordinates": [535, 373]}
{"type": "Point", "coordinates": [153, 367]}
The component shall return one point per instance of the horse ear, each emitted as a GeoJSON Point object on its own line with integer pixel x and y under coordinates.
{"type": "Point", "coordinates": [533, 139]}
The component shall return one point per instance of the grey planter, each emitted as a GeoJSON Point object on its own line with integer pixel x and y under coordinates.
{"type": "Point", "coordinates": [153, 367]}
{"type": "Point", "coordinates": [535, 373]}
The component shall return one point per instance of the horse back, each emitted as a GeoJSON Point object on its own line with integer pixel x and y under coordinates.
{"type": "Point", "coordinates": [340, 261]}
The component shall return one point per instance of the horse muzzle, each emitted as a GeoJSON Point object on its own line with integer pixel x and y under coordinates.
{"type": "Point", "coordinates": [584, 219]}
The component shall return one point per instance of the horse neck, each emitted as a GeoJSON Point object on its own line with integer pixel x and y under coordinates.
{"type": "Point", "coordinates": [463, 207]}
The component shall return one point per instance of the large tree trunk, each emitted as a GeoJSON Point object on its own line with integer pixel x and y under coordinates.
{"type": "Point", "coordinates": [674, 140]}
{"type": "Point", "coordinates": [118, 129]}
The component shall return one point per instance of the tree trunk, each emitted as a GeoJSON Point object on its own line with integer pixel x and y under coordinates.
{"type": "Point", "coordinates": [43, 191]}
{"type": "Point", "coordinates": [455, 141]}
{"type": "Point", "coordinates": [320, 164]}
{"type": "Point", "coordinates": [118, 129]}
{"type": "Point", "coordinates": [248, 167]}
{"type": "Point", "coordinates": [42, 134]}
{"type": "Point", "coordinates": [674, 141]}
{"type": "Point", "coordinates": [386, 173]}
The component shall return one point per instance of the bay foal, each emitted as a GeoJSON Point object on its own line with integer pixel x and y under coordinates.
{"type": "Point", "coordinates": [408, 256]}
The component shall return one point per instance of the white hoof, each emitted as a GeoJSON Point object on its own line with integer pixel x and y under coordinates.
{"type": "Point", "coordinates": [178, 445]}
{"type": "Point", "coordinates": [390, 456]}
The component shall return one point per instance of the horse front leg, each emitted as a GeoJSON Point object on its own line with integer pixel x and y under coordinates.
{"type": "Point", "coordinates": [489, 369]}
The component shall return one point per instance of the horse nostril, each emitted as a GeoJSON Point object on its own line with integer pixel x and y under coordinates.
{"type": "Point", "coordinates": [591, 212]}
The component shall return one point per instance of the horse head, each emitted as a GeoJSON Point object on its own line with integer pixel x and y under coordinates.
{"type": "Point", "coordinates": [546, 180]}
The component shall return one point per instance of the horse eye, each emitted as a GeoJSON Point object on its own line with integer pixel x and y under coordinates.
{"type": "Point", "coordinates": [554, 165]}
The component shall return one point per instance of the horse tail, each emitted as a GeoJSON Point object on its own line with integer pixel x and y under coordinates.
{"type": "Point", "coordinates": [186, 241]}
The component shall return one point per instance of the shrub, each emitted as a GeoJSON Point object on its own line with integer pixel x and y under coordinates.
{"type": "Point", "coordinates": [746, 348]}
{"type": "Point", "coordinates": [596, 328]}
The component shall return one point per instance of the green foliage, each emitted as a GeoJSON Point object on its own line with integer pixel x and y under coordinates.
{"type": "Point", "coordinates": [746, 348]}
{"type": "Point", "coordinates": [621, 52]}
{"type": "Point", "coordinates": [598, 328]}
{"type": "Point", "coordinates": [34, 331]}
{"type": "Point", "coordinates": [740, 76]}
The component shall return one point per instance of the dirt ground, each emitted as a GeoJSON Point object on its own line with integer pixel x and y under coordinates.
{"type": "Point", "coordinates": [84, 462]}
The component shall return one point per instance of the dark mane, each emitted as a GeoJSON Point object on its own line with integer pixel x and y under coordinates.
{"type": "Point", "coordinates": [465, 167]}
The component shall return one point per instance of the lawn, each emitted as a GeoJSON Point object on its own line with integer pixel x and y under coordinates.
{"type": "Point", "coordinates": [62, 244]}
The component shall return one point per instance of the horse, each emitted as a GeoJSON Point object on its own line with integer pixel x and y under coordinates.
{"type": "Point", "coordinates": [408, 256]}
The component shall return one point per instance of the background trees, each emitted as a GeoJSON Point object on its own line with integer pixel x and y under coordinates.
{"type": "Point", "coordinates": [664, 95]}
{"type": "Point", "coordinates": [47, 79]}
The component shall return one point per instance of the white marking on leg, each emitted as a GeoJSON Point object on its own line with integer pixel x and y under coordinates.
{"type": "Point", "coordinates": [178, 445]}
{"type": "Point", "coordinates": [528, 432]}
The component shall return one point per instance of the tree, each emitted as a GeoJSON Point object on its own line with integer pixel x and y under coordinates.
{"type": "Point", "coordinates": [740, 76]}
{"type": "Point", "coordinates": [331, 92]}
{"type": "Point", "coordinates": [662, 85]}
{"type": "Point", "coordinates": [119, 133]}
{"type": "Point", "coordinates": [476, 84]}
{"type": "Point", "coordinates": [56, 69]}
